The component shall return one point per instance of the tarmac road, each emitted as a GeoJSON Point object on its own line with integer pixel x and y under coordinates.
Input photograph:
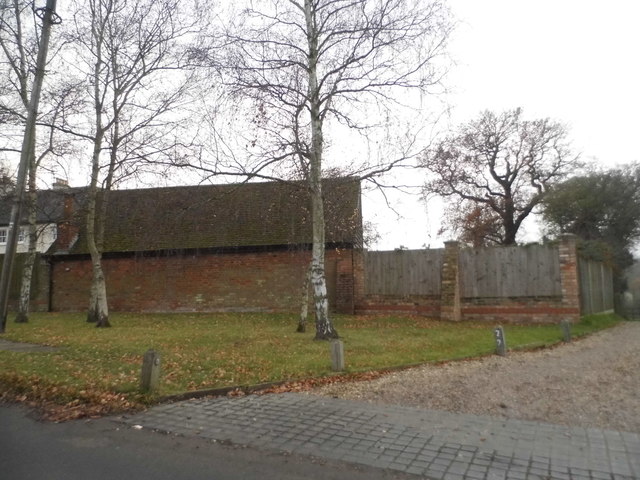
{"type": "Point", "coordinates": [106, 449]}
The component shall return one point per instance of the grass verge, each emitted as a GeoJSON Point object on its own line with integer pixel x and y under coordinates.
{"type": "Point", "coordinates": [96, 371]}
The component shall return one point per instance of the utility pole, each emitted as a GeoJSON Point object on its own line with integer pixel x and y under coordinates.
{"type": "Point", "coordinates": [49, 18]}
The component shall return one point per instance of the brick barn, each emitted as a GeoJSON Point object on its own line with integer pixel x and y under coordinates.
{"type": "Point", "coordinates": [240, 247]}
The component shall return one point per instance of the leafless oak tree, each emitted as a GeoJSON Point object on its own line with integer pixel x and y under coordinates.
{"type": "Point", "coordinates": [502, 165]}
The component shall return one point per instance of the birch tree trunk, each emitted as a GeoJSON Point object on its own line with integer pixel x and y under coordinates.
{"type": "Point", "coordinates": [304, 304]}
{"type": "Point", "coordinates": [98, 306]}
{"type": "Point", "coordinates": [324, 327]}
{"type": "Point", "coordinates": [19, 44]}
{"type": "Point", "coordinates": [22, 315]}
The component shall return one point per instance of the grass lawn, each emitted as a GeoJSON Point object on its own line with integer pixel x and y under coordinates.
{"type": "Point", "coordinates": [202, 351]}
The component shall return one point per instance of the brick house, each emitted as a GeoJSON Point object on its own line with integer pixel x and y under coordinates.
{"type": "Point", "coordinates": [240, 247]}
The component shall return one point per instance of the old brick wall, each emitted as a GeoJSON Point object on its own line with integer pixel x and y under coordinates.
{"type": "Point", "coordinates": [201, 282]}
{"type": "Point", "coordinates": [521, 310]}
{"type": "Point", "coordinates": [395, 304]}
{"type": "Point", "coordinates": [39, 283]}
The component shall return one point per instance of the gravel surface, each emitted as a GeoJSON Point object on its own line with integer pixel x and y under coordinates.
{"type": "Point", "coordinates": [592, 382]}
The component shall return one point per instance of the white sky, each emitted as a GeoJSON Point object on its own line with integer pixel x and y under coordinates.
{"type": "Point", "coordinates": [576, 61]}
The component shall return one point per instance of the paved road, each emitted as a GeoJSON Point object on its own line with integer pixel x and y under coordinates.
{"type": "Point", "coordinates": [437, 445]}
{"type": "Point", "coordinates": [107, 449]}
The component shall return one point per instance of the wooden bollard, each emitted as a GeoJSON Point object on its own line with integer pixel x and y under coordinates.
{"type": "Point", "coordinates": [337, 355]}
{"type": "Point", "coordinates": [566, 330]}
{"type": "Point", "coordinates": [150, 377]}
{"type": "Point", "coordinates": [501, 342]}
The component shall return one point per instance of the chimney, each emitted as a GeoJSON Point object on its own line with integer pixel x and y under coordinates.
{"type": "Point", "coordinates": [67, 230]}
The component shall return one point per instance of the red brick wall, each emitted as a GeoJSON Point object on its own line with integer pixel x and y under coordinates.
{"type": "Point", "coordinates": [39, 284]}
{"type": "Point", "coordinates": [255, 281]}
{"type": "Point", "coordinates": [522, 310]}
{"type": "Point", "coordinates": [408, 305]}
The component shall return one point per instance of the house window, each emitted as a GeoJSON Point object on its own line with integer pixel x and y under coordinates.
{"type": "Point", "coordinates": [4, 232]}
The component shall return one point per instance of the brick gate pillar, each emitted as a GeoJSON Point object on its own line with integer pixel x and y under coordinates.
{"type": "Point", "coordinates": [569, 278]}
{"type": "Point", "coordinates": [345, 282]}
{"type": "Point", "coordinates": [450, 283]}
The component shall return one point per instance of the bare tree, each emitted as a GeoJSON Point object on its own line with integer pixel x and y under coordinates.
{"type": "Point", "coordinates": [19, 44]}
{"type": "Point", "coordinates": [131, 52]}
{"type": "Point", "coordinates": [306, 69]}
{"type": "Point", "coordinates": [501, 164]}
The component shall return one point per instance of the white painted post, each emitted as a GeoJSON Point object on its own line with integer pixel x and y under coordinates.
{"type": "Point", "coordinates": [501, 342]}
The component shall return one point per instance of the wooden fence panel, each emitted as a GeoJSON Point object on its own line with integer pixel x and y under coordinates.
{"type": "Point", "coordinates": [596, 287]}
{"type": "Point", "coordinates": [403, 272]}
{"type": "Point", "coordinates": [500, 272]}
{"type": "Point", "coordinates": [531, 271]}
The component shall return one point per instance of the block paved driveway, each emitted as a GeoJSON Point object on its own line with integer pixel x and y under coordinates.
{"type": "Point", "coordinates": [434, 444]}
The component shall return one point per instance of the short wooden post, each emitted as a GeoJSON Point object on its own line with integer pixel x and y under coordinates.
{"type": "Point", "coordinates": [337, 355]}
{"type": "Point", "coordinates": [501, 342]}
{"type": "Point", "coordinates": [150, 377]}
{"type": "Point", "coordinates": [566, 330]}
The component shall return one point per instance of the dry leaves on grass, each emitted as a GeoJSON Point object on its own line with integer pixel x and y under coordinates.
{"type": "Point", "coordinates": [311, 383]}
{"type": "Point", "coordinates": [61, 403]}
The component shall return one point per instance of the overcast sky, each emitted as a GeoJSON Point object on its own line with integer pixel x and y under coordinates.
{"type": "Point", "coordinates": [576, 61]}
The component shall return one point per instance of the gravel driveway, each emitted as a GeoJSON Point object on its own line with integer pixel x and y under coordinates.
{"type": "Point", "coordinates": [592, 382]}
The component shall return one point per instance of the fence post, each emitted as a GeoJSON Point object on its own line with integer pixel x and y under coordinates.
{"type": "Point", "coordinates": [592, 308]}
{"type": "Point", "coordinates": [605, 307]}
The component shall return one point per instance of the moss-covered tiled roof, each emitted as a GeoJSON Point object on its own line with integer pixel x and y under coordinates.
{"type": "Point", "coordinates": [223, 216]}
{"type": "Point", "coordinates": [49, 207]}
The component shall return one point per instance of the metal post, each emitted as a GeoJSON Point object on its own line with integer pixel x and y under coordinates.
{"type": "Point", "coordinates": [49, 18]}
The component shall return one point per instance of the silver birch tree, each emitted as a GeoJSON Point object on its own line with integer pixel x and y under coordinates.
{"type": "Point", "coordinates": [307, 65]}
{"type": "Point", "coordinates": [19, 48]}
{"type": "Point", "coordinates": [131, 51]}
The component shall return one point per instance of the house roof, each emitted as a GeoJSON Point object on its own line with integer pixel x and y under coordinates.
{"type": "Point", "coordinates": [219, 216]}
{"type": "Point", "coordinates": [50, 206]}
